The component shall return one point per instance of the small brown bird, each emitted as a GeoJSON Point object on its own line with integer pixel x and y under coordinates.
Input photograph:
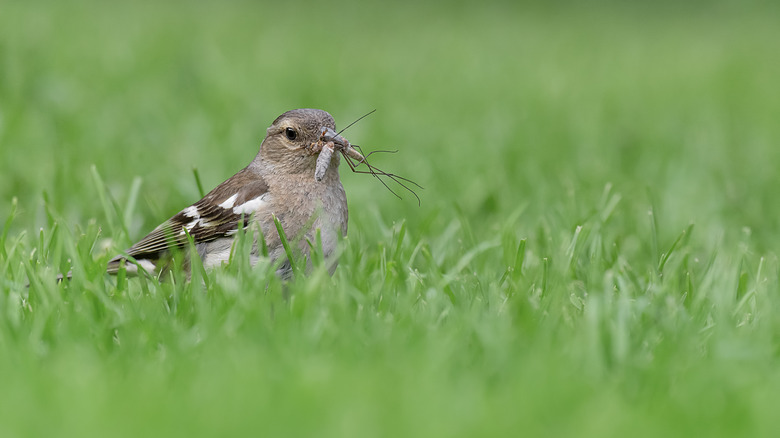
{"type": "Point", "coordinates": [279, 182]}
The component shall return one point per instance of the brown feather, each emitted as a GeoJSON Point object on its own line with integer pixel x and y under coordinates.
{"type": "Point", "coordinates": [220, 222]}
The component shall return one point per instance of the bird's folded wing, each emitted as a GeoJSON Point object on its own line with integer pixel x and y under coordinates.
{"type": "Point", "coordinates": [217, 215]}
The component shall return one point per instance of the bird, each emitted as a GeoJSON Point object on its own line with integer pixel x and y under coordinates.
{"type": "Point", "coordinates": [279, 183]}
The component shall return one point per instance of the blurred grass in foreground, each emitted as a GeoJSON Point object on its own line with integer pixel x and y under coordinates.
{"type": "Point", "coordinates": [595, 253]}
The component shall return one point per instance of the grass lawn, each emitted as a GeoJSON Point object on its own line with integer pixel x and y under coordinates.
{"type": "Point", "coordinates": [596, 253]}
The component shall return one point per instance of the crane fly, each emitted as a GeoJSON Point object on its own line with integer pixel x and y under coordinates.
{"type": "Point", "coordinates": [331, 141]}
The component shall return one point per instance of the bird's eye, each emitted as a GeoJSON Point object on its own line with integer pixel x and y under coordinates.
{"type": "Point", "coordinates": [291, 134]}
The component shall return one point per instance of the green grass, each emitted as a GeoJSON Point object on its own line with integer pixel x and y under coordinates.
{"type": "Point", "coordinates": [595, 254]}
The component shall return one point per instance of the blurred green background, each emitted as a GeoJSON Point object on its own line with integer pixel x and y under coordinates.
{"type": "Point", "coordinates": [523, 121]}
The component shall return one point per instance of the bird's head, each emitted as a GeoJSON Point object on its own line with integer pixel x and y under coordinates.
{"type": "Point", "coordinates": [289, 144]}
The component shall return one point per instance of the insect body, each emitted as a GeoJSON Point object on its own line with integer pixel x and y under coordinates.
{"type": "Point", "coordinates": [323, 161]}
{"type": "Point", "coordinates": [329, 142]}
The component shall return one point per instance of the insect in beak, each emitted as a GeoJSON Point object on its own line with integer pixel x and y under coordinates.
{"type": "Point", "coordinates": [331, 141]}
{"type": "Point", "coordinates": [341, 144]}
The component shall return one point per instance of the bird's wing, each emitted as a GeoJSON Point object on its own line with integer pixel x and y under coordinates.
{"type": "Point", "coordinates": [217, 215]}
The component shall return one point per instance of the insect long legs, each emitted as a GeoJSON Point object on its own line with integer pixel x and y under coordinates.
{"type": "Point", "coordinates": [378, 173]}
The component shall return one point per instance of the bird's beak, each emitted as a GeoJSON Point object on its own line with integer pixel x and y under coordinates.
{"type": "Point", "coordinates": [329, 135]}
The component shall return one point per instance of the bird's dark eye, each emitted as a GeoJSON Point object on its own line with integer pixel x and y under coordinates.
{"type": "Point", "coordinates": [291, 134]}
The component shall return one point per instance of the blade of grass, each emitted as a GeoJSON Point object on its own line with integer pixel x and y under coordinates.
{"type": "Point", "coordinates": [101, 191]}
{"type": "Point", "coordinates": [132, 198]}
{"type": "Point", "coordinates": [198, 183]}
{"type": "Point", "coordinates": [7, 226]}
{"type": "Point", "coordinates": [665, 257]}
{"type": "Point", "coordinates": [287, 250]}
